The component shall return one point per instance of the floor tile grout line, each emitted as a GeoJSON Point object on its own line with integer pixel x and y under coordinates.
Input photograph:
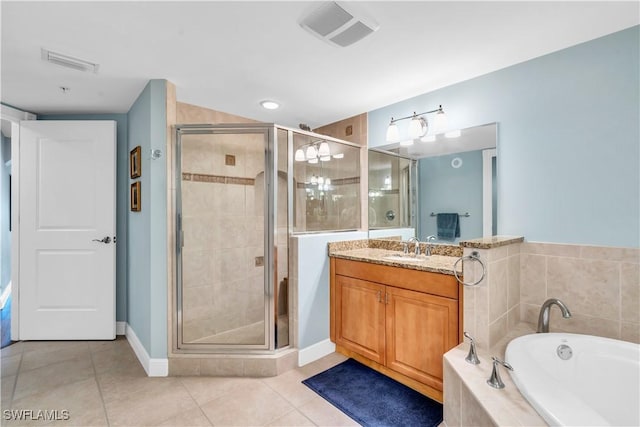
{"type": "Point", "coordinates": [95, 378]}
{"type": "Point", "coordinates": [15, 380]}
{"type": "Point", "coordinates": [194, 399]}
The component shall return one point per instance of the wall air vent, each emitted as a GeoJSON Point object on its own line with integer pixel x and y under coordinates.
{"type": "Point", "coordinates": [338, 24]}
{"type": "Point", "coordinates": [69, 61]}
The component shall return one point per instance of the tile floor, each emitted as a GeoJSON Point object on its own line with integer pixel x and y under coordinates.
{"type": "Point", "coordinates": [101, 383]}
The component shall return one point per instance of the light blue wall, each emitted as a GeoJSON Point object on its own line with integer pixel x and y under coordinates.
{"type": "Point", "coordinates": [122, 199]}
{"type": "Point", "coordinates": [146, 237]}
{"type": "Point", "coordinates": [568, 139]}
{"type": "Point", "coordinates": [445, 189]}
{"type": "Point", "coordinates": [5, 234]}
{"type": "Point", "coordinates": [313, 284]}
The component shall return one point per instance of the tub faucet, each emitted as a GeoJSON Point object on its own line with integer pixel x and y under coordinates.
{"type": "Point", "coordinates": [543, 318]}
{"type": "Point", "coordinates": [417, 246]}
{"type": "Point", "coordinates": [494, 380]}
{"type": "Point", "coordinates": [430, 240]}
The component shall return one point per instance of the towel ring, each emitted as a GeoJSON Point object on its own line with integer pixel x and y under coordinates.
{"type": "Point", "coordinates": [473, 257]}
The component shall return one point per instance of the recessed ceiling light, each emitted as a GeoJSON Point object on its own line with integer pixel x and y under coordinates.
{"type": "Point", "coordinates": [270, 105]}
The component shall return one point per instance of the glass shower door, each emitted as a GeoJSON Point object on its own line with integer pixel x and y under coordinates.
{"type": "Point", "coordinates": [223, 292]}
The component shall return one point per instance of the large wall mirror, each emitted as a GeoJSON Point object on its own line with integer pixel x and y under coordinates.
{"type": "Point", "coordinates": [412, 188]}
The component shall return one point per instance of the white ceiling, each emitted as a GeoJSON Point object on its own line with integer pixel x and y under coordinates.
{"type": "Point", "coordinates": [230, 55]}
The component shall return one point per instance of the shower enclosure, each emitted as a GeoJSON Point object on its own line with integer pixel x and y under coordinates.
{"type": "Point", "coordinates": [239, 195]}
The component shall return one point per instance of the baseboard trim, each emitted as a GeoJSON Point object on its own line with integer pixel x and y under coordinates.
{"type": "Point", "coordinates": [315, 352]}
{"type": "Point", "coordinates": [5, 295]}
{"type": "Point", "coordinates": [153, 367]}
{"type": "Point", "coordinates": [121, 328]}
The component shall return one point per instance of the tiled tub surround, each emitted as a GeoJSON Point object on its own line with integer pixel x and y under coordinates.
{"type": "Point", "coordinates": [600, 285]}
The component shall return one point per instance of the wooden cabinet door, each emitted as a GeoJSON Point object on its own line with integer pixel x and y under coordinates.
{"type": "Point", "coordinates": [420, 328]}
{"type": "Point", "coordinates": [360, 317]}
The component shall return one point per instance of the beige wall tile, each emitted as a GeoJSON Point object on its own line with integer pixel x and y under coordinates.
{"type": "Point", "coordinates": [498, 289]}
{"type": "Point", "coordinates": [513, 317]}
{"type": "Point", "coordinates": [221, 367]}
{"type": "Point", "coordinates": [513, 277]}
{"type": "Point", "coordinates": [551, 249]}
{"type": "Point", "coordinates": [533, 282]}
{"type": "Point", "coordinates": [630, 278]}
{"type": "Point", "coordinates": [630, 332]}
{"type": "Point", "coordinates": [529, 313]}
{"type": "Point", "coordinates": [498, 253]}
{"type": "Point", "coordinates": [589, 287]}
{"type": "Point", "coordinates": [497, 330]}
{"type": "Point", "coordinates": [630, 255]}
{"type": "Point", "coordinates": [451, 396]}
{"type": "Point", "coordinates": [581, 324]}
{"type": "Point", "coordinates": [472, 414]}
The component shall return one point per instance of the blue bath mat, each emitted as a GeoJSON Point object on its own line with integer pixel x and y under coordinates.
{"type": "Point", "coordinates": [373, 399]}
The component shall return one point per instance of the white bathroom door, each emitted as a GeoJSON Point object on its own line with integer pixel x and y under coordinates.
{"type": "Point", "coordinates": [67, 230]}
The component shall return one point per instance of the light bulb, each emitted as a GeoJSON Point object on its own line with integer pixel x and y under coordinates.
{"type": "Point", "coordinates": [323, 150]}
{"type": "Point", "coordinates": [417, 127]}
{"type": "Point", "coordinates": [312, 153]}
{"type": "Point", "coordinates": [300, 155]}
{"type": "Point", "coordinates": [440, 122]}
{"type": "Point", "coordinates": [393, 134]}
{"type": "Point", "coordinates": [325, 158]}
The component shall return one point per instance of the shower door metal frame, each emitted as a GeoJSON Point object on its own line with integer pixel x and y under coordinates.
{"type": "Point", "coordinates": [270, 220]}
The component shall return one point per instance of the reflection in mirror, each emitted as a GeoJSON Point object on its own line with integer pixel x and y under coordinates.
{"type": "Point", "coordinates": [391, 205]}
{"type": "Point", "coordinates": [456, 175]}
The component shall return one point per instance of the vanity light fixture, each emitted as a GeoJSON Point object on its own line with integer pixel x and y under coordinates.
{"type": "Point", "coordinates": [418, 127]}
{"type": "Point", "coordinates": [315, 151]}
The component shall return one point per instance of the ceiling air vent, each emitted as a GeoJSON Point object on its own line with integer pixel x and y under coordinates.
{"type": "Point", "coordinates": [69, 61]}
{"type": "Point", "coordinates": [338, 25]}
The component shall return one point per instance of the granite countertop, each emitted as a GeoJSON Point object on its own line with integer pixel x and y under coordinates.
{"type": "Point", "coordinates": [434, 263]}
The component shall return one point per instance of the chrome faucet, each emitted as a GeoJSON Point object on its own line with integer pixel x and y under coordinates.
{"type": "Point", "coordinates": [472, 357]}
{"type": "Point", "coordinates": [417, 246]}
{"type": "Point", "coordinates": [494, 380]}
{"type": "Point", "coordinates": [430, 240]}
{"type": "Point", "coordinates": [543, 318]}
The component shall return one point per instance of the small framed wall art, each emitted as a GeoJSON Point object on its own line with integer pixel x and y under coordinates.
{"type": "Point", "coordinates": [136, 197]}
{"type": "Point", "coordinates": [135, 162]}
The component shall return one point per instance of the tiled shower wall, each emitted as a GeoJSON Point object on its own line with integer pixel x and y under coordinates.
{"type": "Point", "coordinates": [223, 224]}
{"type": "Point", "coordinates": [600, 285]}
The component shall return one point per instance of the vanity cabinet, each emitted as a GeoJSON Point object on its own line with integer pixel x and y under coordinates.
{"type": "Point", "coordinates": [398, 321]}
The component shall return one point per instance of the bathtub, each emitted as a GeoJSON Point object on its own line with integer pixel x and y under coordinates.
{"type": "Point", "coordinates": [578, 380]}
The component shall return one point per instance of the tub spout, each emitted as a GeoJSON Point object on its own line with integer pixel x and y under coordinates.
{"type": "Point", "coordinates": [543, 318]}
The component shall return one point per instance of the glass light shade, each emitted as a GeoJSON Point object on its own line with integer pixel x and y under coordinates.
{"type": "Point", "coordinates": [312, 153]}
{"type": "Point", "coordinates": [338, 156]}
{"type": "Point", "coordinates": [440, 122]}
{"type": "Point", "coordinates": [314, 180]}
{"type": "Point", "coordinates": [313, 161]}
{"type": "Point", "coordinates": [387, 180]}
{"type": "Point", "coordinates": [327, 181]}
{"type": "Point", "coordinates": [324, 150]}
{"type": "Point", "coordinates": [325, 158]}
{"type": "Point", "coordinates": [393, 134]}
{"type": "Point", "coordinates": [299, 157]}
{"type": "Point", "coordinates": [320, 180]}
{"type": "Point", "coordinates": [417, 127]}
{"type": "Point", "coordinates": [453, 133]}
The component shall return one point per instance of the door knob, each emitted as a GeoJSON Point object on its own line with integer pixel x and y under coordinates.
{"type": "Point", "coordinates": [105, 239]}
